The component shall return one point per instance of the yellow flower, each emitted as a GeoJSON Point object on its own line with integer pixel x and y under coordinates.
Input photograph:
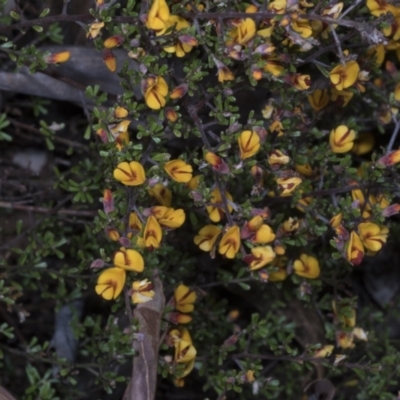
{"type": "Point", "coordinates": [344, 76]}
{"type": "Point", "coordinates": [260, 256]}
{"type": "Point", "coordinates": [276, 158]}
{"type": "Point", "coordinates": [130, 174]}
{"type": "Point", "coordinates": [324, 351]}
{"type": "Point", "coordinates": [120, 112]}
{"type": "Point", "coordinates": [128, 259]}
{"type": "Point", "coordinates": [172, 218]}
{"type": "Point", "coordinates": [158, 15]}
{"type": "Point", "coordinates": [179, 318]}
{"type": "Point", "coordinates": [277, 6]}
{"type": "Point", "coordinates": [179, 170]}
{"type": "Point", "coordinates": [378, 53]}
{"type": "Point", "coordinates": [193, 184]}
{"type": "Point", "coordinates": [341, 97]}
{"type": "Point", "coordinates": [397, 92]}
{"type": "Point", "coordinates": [302, 27]}
{"type": "Point", "coordinates": [184, 43]}
{"type": "Point", "coordinates": [372, 236]}
{"type": "Point", "coordinates": [207, 237]}
{"type": "Point", "coordinates": [304, 169]}
{"type": "Point", "coordinates": [273, 66]}
{"type": "Point", "coordinates": [345, 339]}
{"type": "Point", "coordinates": [249, 144]}
{"type": "Point", "coordinates": [110, 283]}
{"type": "Point", "coordinates": [342, 139]}
{"type": "Point", "coordinates": [264, 234]}
{"type": "Point", "coordinates": [155, 89]}
{"type": "Point", "coordinates": [122, 140]}
{"type": "Point", "coordinates": [110, 60]}
{"type": "Point", "coordinates": [120, 127]}
{"type": "Point", "coordinates": [379, 7]}
{"type": "Point", "coordinates": [162, 194]}
{"type": "Point", "coordinates": [281, 274]}
{"type": "Point", "coordinates": [290, 225]}
{"type": "Point", "coordinates": [277, 128]}
{"type": "Point", "coordinates": [307, 267]}
{"type": "Point", "coordinates": [215, 212]}
{"type": "Point", "coordinates": [336, 220]}
{"type": "Point", "coordinates": [243, 32]}
{"type": "Point", "coordinates": [94, 29]}
{"type": "Point", "coordinates": [230, 242]}
{"type": "Point", "coordinates": [299, 81]}
{"type": "Point", "coordinates": [184, 298]}
{"type": "Point", "coordinates": [225, 74]}
{"type": "Point", "coordinates": [318, 99]}
{"type": "Point", "coordinates": [171, 114]}
{"type": "Point", "coordinates": [184, 352]}
{"type": "Point", "coordinates": [363, 144]}
{"type": "Point", "coordinates": [142, 291]}
{"type": "Point", "coordinates": [152, 233]}
{"type": "Point", "coordinates": [355, 249]}
{"type": "Point", "coordinates": [288, 185]}
{"type": "Point", "coordinates": [113, 234]}
{"type": "Point", "coordinates": [179, 91]}
{"type": "Point", "coordinates": [135, 225]}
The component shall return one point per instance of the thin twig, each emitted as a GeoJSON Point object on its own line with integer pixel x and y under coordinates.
{"type": "Point", "coordinates": [394, 136]}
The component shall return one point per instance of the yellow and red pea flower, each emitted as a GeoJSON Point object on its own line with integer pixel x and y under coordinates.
{"type": "Point", "coordinates": [179, 170]}
{"type": "Point", "coordinates": [130, 174]}
{"type": "Point", "coordinates": [230, 242]}
{"type": "Point", "coordinates": [307, 267]}
{"type": "Point", "coordinates": [142, 291]}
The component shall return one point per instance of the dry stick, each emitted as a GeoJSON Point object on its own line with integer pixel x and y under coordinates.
{"type": "Point", "coordinates": [43, 210]}
{"type": "Point", "coordinates": [338, 45]}
{"type": "Point", "coordinates": [143, 384]}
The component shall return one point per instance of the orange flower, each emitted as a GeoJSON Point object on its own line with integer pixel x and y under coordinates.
{"type": "Point", "coordinates": [342, 139]}
{"type": "Point", "coordinates": [179, 170]}
{"type": "Point", "coordinates": [307, 267]}
{"type": "Point", "coordinates": [154, 90]}
{"type": "Point", "coordinates": [207, 237]}
{"type": "Point", "coordinates": [344, 76]}
{"type": "Point", "coordinates": [113, 41]}
{"type": "Point", "coordinates": [216, 162]}
{"type": "Point", "coordinates": [152, 233]}
{"type": "Point", "coordinates": [179, 91]}
{"type": "Point", "coordinates": [215, 211]}
{"type": "Point", "coordinates": [128, 259]}
{"type": "Point", "coordinates": [130, 174]}
{"type": "Point", "coordinates": [249, 144]}
{"type": "Point", "coordinates": [230, 242]}
{"type": "Point", "coordinates": [56, 58]}
{"type": "Point", "coordinates": [390, 158]}
{"type": "Point", "coordinates": [355, 249]}
{"type": "Point", "coordinates": [110, 283]}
